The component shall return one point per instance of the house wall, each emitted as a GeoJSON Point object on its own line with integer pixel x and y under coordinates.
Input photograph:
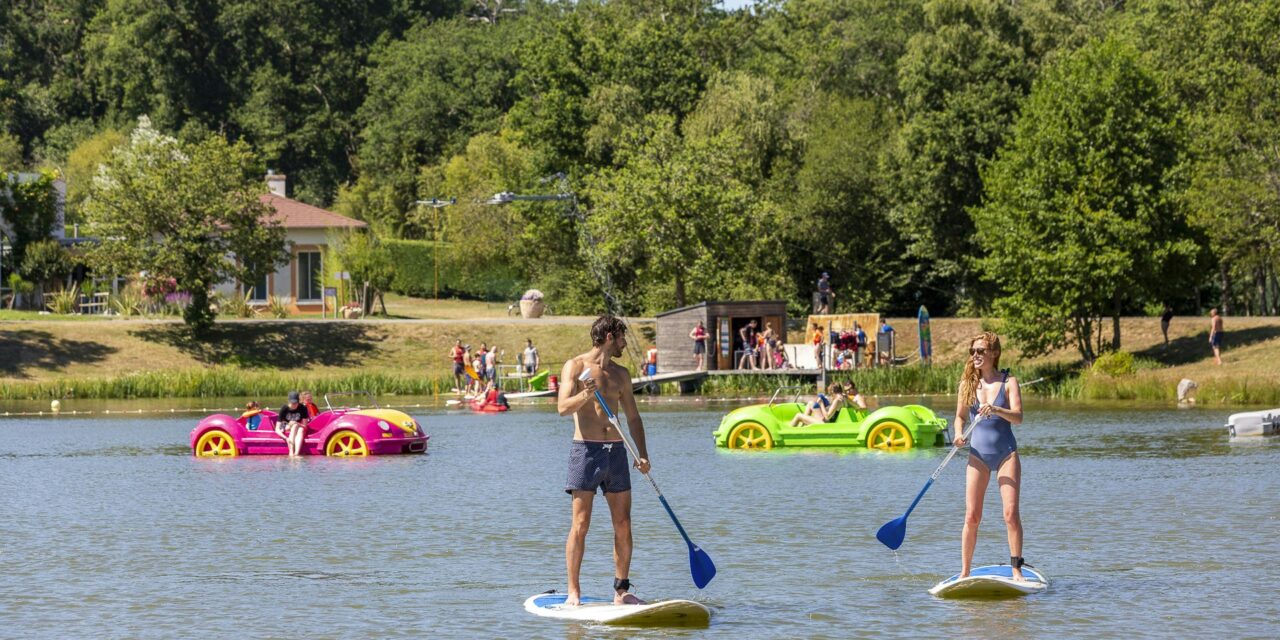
{"type": "Point", "coordinates": [675, 348]}
{"type": "Point", "coordinates": [282, 281]}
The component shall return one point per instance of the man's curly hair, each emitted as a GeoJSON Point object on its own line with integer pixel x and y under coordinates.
{"type": "Point", "coordinates": [605, 325]}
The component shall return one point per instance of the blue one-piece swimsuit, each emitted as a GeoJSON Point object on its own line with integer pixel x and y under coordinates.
{"type": "Point", "coordinates": [991, 440]}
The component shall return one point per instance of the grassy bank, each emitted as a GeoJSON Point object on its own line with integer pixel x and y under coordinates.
{"type": "Point", "coordinates": [114, 358]}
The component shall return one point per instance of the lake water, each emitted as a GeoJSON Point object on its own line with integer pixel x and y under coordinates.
{"type": "Point", "coordinates": [1148, 522]}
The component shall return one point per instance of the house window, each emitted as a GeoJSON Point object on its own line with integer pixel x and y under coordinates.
{"type": "Point", "coordinates": [310, 276]}
{"type": "Point", "coordinates": [257, 290]}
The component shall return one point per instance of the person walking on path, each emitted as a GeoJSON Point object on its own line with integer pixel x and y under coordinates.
{"type": "Point", "coordinates": [598, 455]}
{"type": "Point", "coordinates": [992, 400]}
{"type": "Point", "coordinates": [699, 337]}
{"type": "Point", "coordinates": [824, 294]}
{"type": "Point", "coordinates": [1215, 335]}
{"type": "Point", "coordinates": [1166, 317]}
{"type": "Point", "coordinates": [459, 357]}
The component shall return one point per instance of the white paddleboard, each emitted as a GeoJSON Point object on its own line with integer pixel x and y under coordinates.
{"type": "Point", "coordinates": [991, 581]}
{"type": "Point", "coordinates": [668, 613]}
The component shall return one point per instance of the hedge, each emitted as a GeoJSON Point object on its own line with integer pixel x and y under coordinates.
{"type": "Point", "coordinates": [415, 274]}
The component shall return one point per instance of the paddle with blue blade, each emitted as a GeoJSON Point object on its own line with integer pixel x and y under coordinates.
{"type": "Point", "coordinates": [895, 531]}
{"type": "Point", "coordinates": [700, 564]}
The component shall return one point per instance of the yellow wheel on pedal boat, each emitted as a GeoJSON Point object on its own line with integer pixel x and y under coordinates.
{"type": "Point", "coordinates": [750, 435]}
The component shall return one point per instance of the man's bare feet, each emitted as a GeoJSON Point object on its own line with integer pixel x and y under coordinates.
{"type": "Point", "coordinates": [622, 597]}
{"type": "Point", "coordinates": [573, 599]}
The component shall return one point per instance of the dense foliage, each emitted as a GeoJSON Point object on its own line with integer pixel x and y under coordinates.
{"type": "Point", "coordinates": [713, 153]}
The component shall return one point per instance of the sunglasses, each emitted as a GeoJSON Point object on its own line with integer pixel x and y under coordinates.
{"type": "Point", "coordinates": [981, 351]}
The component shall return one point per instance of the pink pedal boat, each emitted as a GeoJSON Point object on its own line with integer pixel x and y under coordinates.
{"type": "Point", "coordinates": [337, 431]}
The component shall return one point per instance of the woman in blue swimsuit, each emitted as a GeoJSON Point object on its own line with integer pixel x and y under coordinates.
{"type": "Point", "coordinates": [991, 400]}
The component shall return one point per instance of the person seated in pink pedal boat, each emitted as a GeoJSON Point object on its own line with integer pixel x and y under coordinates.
{"type": "Point", "coordinates": [292, 424]}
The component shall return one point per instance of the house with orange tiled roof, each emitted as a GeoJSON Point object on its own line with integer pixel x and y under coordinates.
{"type": "Point", "coordinates": [307, 232]}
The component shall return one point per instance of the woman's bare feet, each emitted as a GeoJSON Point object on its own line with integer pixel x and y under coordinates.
{"type": "Point", "coordinates": [1017, 575]}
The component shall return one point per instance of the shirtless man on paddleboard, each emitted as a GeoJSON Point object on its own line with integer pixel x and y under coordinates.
{"type": "Point", "coordinates": [598, 457]}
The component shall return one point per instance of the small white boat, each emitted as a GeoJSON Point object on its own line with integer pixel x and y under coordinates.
{"type": "Point", "coordinates": [1254, 423]}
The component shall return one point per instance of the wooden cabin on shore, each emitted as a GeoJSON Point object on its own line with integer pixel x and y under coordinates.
{"type": "Point", "coordinates": [722, 321]}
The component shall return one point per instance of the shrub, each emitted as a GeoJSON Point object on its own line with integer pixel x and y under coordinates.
{"type": "Point", "coordinates": [65, 301]}
{"type": "Point", "coordinates": [45, 260]}
{"type": "Point", "coordinates": [1115, 364]}
{"type": "Point", "coordinates": [129, 301]}
{"type": "Point", "coordinates": [238, 306]}
{"type": "Point", "coordinates": [278, 306]}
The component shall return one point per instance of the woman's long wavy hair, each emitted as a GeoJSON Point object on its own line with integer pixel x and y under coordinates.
{"type": "Point", "coordinates": [971, 377]}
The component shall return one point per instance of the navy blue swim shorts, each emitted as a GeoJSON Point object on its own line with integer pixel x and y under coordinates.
{"type": "Point", "coordinates": [598, 465]}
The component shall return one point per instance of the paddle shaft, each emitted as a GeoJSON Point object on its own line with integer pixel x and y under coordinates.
{"type": "Point", "coordinates": [936, 472]}
{"type": "Point", "coordinates": [634, 454]}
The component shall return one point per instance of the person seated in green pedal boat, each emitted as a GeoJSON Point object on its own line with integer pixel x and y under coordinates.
{"type": "Point", "coordinates": [824, 409]}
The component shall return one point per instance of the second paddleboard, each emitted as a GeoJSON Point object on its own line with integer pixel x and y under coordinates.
{"type": "Point", "coordinates": [991, 581]}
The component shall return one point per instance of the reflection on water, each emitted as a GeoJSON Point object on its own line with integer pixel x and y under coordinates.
{"type": "Point", "coordinates": [111, 528]}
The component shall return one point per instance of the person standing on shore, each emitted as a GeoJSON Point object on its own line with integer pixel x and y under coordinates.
{"type": "Point", "coordinates": [992, 401]}
{"type": "Point", "coordinates": [491, 363]}
{"type": "Point", "coordinates": [748, 335]}
{"type": "Point", "coordinates": [817, 345]}
{"type": "Point", "coordinates": [699, 337]}
{"type": "Point", "coordinates": [1215, 335]}
{"type": "Point", "coordinates": [530, 357]}
{"type": "Point", "coordinates": [459, 357]}
{"type": "Point", "coordinates": [598, 455]}
{"type": "Point", "coordinates": [1166, 317]}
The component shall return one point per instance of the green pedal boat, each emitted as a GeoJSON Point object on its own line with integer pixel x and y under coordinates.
{"type": "Point", "coordinates": [765, 426]}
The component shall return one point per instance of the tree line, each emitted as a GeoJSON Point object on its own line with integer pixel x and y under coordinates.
{"type": "Point", "coordinates": [1056, 163]}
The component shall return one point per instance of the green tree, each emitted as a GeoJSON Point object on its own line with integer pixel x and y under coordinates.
{"type": "Point", "coordinates": [189, 211]}
{"type": "Point", "coordinates": [82, 164]}
{"type": "Point", "coordinates": [962, 80]}
{"type": "Point", "coordinates": [428, 94]}
{"type": "Point", "coordinates": [42, 66]}
{"type": "Point", "coordinates": [10, 152]}
{"type": "Point", "coordinates": [1223, 61]}
{"type": "Point", "coordinates": [44, 261]}
{"type": "Point", "coordinates": [367, 261]}
{"type": "Point", "coordinates": [676, 219]}
{"type": "Point", "coordinates": [655, 53]}
{"type": "Point", "coordinates": [835, 221]}
{"type": "Point", "coordinates": [30, 208]}
{"type": "Point", "coordinates": [1081, 219]}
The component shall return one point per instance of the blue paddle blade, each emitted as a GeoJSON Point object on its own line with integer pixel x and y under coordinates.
{"type": "Point", "coordinates": [701, 566]}
{"type": "Point", "coordinates": [893, 533]}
